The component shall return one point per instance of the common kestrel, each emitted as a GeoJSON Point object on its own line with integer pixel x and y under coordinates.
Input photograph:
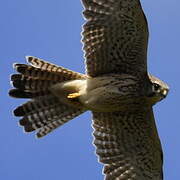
{"type": "Point", "coordinates": [117, 89]}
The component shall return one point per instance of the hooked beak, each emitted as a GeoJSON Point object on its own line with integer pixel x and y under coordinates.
{"type": "Point", "coordinates": [165, 92]}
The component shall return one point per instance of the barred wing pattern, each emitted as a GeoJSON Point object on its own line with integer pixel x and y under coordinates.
{"type": "Point", "coordinates": [128, 145]}
{"type": "Point", "coordinates": [115, 37]}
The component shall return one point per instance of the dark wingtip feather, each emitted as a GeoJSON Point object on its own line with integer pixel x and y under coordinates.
{"type": "Point", "coordinates": [15, 77]}
{"type": "Point", "coordinates": [19, 111]}
{"type": "Point", "coordinates": [14, 93]}
{"type": "Point", "coordinates": [18, 83]}
{"type": "Point", "coordinates": [21, 68]}
{"type": "Point", "coordinates": [27, 126]}
{"type": "Point", "coordinates": [23, 122]}
{"type": "Point", "coordinates": [17, 93]}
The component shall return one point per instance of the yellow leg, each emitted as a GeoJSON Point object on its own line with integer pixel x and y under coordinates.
{"type": "Point", "coordinates": [73, 95]}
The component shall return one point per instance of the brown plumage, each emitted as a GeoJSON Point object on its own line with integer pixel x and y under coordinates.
{"type": "Point", "coordinates": [128, 144]}
{"type": "Point", "coordinates": [45, 112]}
{"type": "Point", "coordinates": [117, 89]}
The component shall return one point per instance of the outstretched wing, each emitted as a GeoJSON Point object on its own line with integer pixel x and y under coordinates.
{"type": "Point", "coordinates": [115, 37]}
{"type": "Point", "coordinates": [128, 145]}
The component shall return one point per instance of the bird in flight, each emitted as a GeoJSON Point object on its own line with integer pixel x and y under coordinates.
{"type": "Point", "coordinates": [116, 88]}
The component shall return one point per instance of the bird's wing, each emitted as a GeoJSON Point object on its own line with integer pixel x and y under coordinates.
{"type": "Point", "coordinates": [128, 145]}
{"type": "Point", "coordinates": [115, 37]}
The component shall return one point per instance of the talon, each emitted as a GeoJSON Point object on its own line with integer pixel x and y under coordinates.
{"type": "Point", "coordinates": [73, 95]}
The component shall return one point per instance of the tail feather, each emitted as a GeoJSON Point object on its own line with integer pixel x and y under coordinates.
{"type": "Point", "coordinates": [45, 112]}
{"type": "Point", "coordinates": [45, 116]}
{"type": "Point", "coordinates": [36, 73]}
{"type": "Point", "coordinates": [19, 93]}
{"type": "Point", "coordinates": [20, 81]}
{"type": "Point", "coordinates": [46, 66]}
{"type": "Point", "coordinates": [56, 123]}
{"type": "Point", "coordinates": [34, 105]}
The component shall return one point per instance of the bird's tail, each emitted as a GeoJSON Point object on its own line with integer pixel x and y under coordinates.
{"type": "Point", "coordinates": [45, 111]}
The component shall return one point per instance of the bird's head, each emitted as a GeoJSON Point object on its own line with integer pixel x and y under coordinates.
{"type": "Point", "coordinates": [159, 89]}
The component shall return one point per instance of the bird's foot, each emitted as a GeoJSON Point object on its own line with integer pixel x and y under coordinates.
{"type": "Point", "coordinates": [73, 95]}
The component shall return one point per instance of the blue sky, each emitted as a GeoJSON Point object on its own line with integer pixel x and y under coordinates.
{"type": "Point", "coordinates": [51, 30]}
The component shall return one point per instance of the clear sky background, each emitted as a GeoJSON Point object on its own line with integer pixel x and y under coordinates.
{"type": "Point", "coordinates": [50, 29]}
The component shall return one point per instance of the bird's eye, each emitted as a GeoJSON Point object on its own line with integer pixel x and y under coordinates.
{"type": "Point", "coordinates": [156, 86]}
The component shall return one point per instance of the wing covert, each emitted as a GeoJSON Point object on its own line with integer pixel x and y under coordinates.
{"type": "Point", "coordinates": [115, 37]}
{"type": "Point", "coordinates": [128, 145]}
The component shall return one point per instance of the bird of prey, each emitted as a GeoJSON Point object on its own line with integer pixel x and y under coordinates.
{"type": "Point", "coordinates": [116, 88]}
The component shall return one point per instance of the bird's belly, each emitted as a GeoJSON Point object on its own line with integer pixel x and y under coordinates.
{"type": "Point", "coordinates": [109, 99]}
